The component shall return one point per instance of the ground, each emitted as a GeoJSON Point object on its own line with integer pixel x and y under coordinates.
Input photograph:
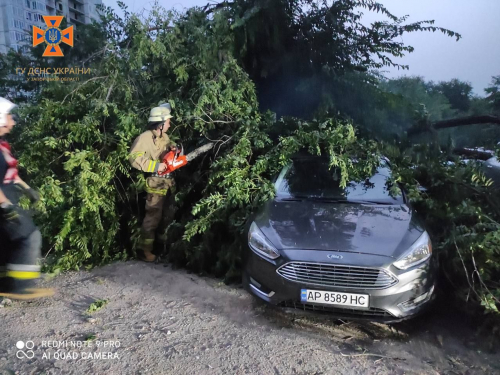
{"type": "Point", "coordinates": [165, 321]}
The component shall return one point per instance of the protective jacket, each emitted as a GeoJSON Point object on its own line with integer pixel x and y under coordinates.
{"type": "Point", "coordinates": [8, 164]}
{"type": "Point", "coordinates": [13, 192]}
{"type": "Point", "coordinates": [146, 154]}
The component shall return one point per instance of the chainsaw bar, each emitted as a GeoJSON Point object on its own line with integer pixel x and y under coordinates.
{"type": "Point", "coordinates": [199, 151]}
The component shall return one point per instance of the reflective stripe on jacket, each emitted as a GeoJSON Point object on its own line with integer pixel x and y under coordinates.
{"type": "Point", "coordinates": [147, 151]}
{"type": "Point", "coordinates": [146, 154]}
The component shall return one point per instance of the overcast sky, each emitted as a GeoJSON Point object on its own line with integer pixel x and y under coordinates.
{"type": "Point", "coordinates": [475, 58]}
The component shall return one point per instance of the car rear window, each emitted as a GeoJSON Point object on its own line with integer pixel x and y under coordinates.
{"type": "Point", "coordinates": [311, 178]}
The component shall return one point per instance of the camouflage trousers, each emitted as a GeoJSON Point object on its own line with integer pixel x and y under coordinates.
{"type": "Point", "coordinates": [160, 211]}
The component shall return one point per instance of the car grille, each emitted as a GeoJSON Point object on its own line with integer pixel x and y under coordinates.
{"type": "Point", "coordinates": [334, 275]}
{"type": "Point", "coordinates": [372, 312]}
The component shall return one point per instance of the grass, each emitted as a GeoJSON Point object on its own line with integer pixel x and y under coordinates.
{"type": "Point", "coordinates": [96, 306]}
{"type": "Point", "coordinates": [90, 337]}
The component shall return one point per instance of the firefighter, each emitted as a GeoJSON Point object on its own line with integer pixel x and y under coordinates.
{"type": "Point", "coordinates": [146, 154]}
{"type": "Point", "coordinates": [20, 240]}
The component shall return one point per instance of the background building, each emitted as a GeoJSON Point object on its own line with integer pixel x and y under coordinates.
{"type": "Point", "coordinates": [17, 18]}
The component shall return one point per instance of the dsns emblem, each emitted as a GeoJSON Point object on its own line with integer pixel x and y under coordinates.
{"type": "Point", "coordinates": [334, 256]}
{"type": "Point", "coordinates": [53, 36]}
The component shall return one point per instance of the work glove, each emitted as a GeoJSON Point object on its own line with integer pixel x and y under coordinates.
{"type": "Point", "coordinates": [10, 213]}
{"type": "Point", "coordinates": [32, 195]}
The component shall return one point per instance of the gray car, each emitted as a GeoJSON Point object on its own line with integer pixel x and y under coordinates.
{"type": "Point", "coordinates": [357, 252]}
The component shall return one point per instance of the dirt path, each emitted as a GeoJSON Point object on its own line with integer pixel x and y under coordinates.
{"type": "Point", "coordinates": [170, 322]}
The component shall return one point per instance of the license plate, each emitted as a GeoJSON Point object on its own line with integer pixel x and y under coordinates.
{"type": "Point", "coordinates": [335, 298]}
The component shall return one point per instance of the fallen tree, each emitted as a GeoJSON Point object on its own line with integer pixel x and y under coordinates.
{"type": "Point", "coordinates": [79, 136]}
{"type": "Point", "coordinates": [453, 123]}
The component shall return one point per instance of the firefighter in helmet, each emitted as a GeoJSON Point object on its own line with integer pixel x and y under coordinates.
{"type": "Point", "coordinates": [20, 240]}
{"type": "Point", "coordinates": [146, 154]}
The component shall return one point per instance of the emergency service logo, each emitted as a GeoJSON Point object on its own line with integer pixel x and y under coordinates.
{"type": "Point", "coordinates": [53, 36]}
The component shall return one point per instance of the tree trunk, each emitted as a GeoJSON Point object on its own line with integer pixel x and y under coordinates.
{"type": "Point", "coordinates": [474, 153]}
{"type": "Point", "coordinates": [463, 121]}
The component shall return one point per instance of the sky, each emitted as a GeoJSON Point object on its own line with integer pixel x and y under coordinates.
{"type": "Point", "coordinates": [475, 58]}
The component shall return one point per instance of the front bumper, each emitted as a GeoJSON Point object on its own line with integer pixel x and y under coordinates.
{"type": "Point", "coordinates": [392, 304]}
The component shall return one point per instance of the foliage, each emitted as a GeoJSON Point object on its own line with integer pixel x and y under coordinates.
{"type": "Point", "coordinates": [90, 337]}
{"type": "Point", "coordinates": [457, 92]}
{"type": "Point", "coordinates": [79, 135]}
{"type": "Point", "coordinates": [11, 84]}
{"type": "Point", "coordinates": [240, 182]}
{"type": "Point", "coordinates": [417, 91]}
{"type": "Point", "coordinates": [388, 108]}
{"type": "Point", "coordinates": [283, 44]}
{"type": "Point", "coordinates": [210, 63]}
{"type": "Point", "coordinates": [96, 305]}
{"type": "Point", "coordinates": [461, 208]}
{"type": "Point", "coordinates": [493, 97]}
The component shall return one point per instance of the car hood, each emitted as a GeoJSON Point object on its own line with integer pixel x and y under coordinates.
{"type": "Point", "coordinates": [386, 230]}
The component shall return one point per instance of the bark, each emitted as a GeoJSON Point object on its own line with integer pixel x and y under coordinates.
{"type": "Point", "coordinates": [463, 121]}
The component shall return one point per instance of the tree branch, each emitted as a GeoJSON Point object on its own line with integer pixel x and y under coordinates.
{"type": "Point", "coordinates": [474, 153]}
{"type": "Point", "coordinates": [79, 87]}
{"type": "Point", "coordinates": [210, 8]}
{"type": "Point", "coordinates": [462, 121]}
{"type": "Point", "coordinates": [160, 28]}
{"type": "Point", "coordinates": [109, 92]}
{"type": "Point", "coordinates": [476, 271]}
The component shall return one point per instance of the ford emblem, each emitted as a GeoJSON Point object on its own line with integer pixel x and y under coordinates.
{"type": "Point", "coordinates": [334, 256]}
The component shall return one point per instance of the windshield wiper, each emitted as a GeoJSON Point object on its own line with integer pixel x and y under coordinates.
{"type": "Point", "coordinates": [315, 199]}
{"type": "Point", "coordinates": [371, 202]}
{"type": "Point", "coordinates": [299, 198]}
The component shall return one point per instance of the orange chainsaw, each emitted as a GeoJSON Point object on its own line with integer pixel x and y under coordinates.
{"type": "Point", "coordinates": [175, 158]}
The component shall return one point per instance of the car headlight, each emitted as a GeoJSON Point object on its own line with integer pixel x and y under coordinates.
{"type": "Point", "coordinates": [260, 244]}
{"type": "Point", "coordinates": [419, 252]}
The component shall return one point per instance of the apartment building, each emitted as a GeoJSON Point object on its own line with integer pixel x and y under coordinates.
{"type": "Point", "coordinates": [17, 18]}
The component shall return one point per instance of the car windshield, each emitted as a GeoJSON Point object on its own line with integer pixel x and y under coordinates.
{"type": "Point", "coordinates": [312, 178]}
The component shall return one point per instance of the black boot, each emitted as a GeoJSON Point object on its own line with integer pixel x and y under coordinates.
{"type": "Point", "coordinates": [4, 284]}
{"type": "Point", "coordinates": [22, 289]}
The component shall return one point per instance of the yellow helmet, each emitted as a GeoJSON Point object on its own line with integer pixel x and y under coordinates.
{"type": "Point", "coordinates": [160, 113]}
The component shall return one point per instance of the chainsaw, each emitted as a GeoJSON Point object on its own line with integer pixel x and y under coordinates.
{"type": "Point", "coordinates": [175, 158]}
